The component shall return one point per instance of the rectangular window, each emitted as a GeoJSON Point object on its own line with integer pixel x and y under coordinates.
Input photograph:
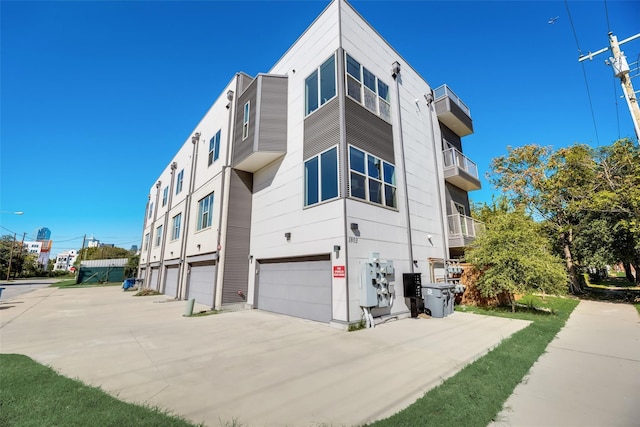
{"type": "Point", "coordinates": [158, 235]}
{"type": "Point", "coordinates": [175, 230]}
{"type": "Point", "coordinates": [245, 121]}
{"type": "Point", "coordinates": [205, 211]}
{"type": "Point", "coordinates": [373, 180]}
{"type": "Point", "coordinates": [179, 183]}
{"type": "Point", "coordinates": [365, 88]}
{"type": "Point", "coordinates": [151, 210]}
{"type": "Point", "coordinates": [321, 177]}
{"type": "Point", "coordinates": [165, 195]}
{"type": "Point", "coordinates": [214, 148]}
{"type": "Point", "coordinates": [320, 86]}
{"type": "Point", "coordinates": [145, 244]}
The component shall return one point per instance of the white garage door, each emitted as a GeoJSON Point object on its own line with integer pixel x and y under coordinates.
{"type": "Point", "coordinates": [171, 282]}
{"type": "Point", "coordinates": [153, 278]}
{"type": "Point", "coordinates": [300, 289]}
{"type": "Point", "coordinates": [201, 280]}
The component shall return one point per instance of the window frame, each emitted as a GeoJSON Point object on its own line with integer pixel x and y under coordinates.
{"type": "Point", "coordinates": [179, 181]}
{"type": "Point", "coordinates": [205, 202]}
{"type": "Point", "coordinates": [317, 72]}
{"type": "Point", "coordinates": [158, 238]}
{"type": "Point", "coordinates": [145, 243]}
{"type": "Point", "coordinates": [245, 120]}
{"type": "Point", "coordinates": [382, 181]}
{"type": "Point", "coordinates": [175, 228]}
{"type": "Point", "coordinates": [150, 210]}
{"type": "Point", "coordinates": [214, 148]}
{"type": "Point", "coordinates": [165, 195]}
{"type": "Point", "coordinates": [319, 190]}
{"type": "Point", "coordinates": [363, 88]}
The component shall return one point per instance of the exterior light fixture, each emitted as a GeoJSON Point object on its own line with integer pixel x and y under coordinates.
{"type": "Point", "coordinates": [354, 225]}
{"type": "Point", "coordinates": [195, 138]}
{"type": "Point", "coordinates": [336, 248]}
{"type": "Point", "coordinates": [395, 69]}
{"type": "Point", "coordinates": [230, 95]}
{"type": "Point", "coordinates": [287, 236]}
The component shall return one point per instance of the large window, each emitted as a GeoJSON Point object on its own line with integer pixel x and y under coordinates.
{"type": "Point", "coordinates": [321, 177]}
{"type": "Point", "coordinates": [150, 210]}
{"type": "Point", "coordinates": [158, 235]}
{"type": "Point", "coordinates": [145, 244]}
{"type": "Point", "coordinates": [205, 211]}
{"type": "Point", "coordinates": [179, 182]}
{"type": "Point", "coordinates": [320, 86]}
{"type": "Point", "coordinates": [175, 230]}
{"type": "Point", "coordinates": [214, 148]}
{"type": "Point", "coordinates": [372, 179]}
{"type": "Point", "coordinates": [245, 120]}
{"type": "Point", "coordinates": [364, 87]}
{"type": "Point", "coordinates": [165, 195]}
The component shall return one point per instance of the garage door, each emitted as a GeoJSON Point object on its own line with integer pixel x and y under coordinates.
{"type": "Point", "coordinates": [201, 280]}
{"type": "Point", "coordinates": [296, 288]}
{"type": "Point", "coordinates": [171, 282]}
{"type": "Point", "coordinates": [153, 278]}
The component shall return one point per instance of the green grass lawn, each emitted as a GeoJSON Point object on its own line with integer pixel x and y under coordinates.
{"type": "Point", "coordinates": [35, 395]}
{"type": "Point", "coordinates": [475, 395]}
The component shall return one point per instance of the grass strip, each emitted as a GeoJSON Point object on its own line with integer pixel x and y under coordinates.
{"type": "Point", "coordinates": [71, 284]}
{"type": "Point", "coordinates": [476, 394]}
{"type": "Point", "coordinates": [35, 395]}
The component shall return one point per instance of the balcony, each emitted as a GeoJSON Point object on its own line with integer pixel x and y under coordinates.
{"type": "Point", "coordinates": [452, 112]}
{"type": "Point", "coordinates": [463, 230]}
{"type": "Point", "coordinates": [460, 171]}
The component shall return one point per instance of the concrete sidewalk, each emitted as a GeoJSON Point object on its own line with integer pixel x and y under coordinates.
{"type": "Point", "coordinates": [259, 368]}
{"type": "Point", "coordinates": [589, 376]}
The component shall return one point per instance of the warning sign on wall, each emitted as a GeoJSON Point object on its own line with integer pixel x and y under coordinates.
{"type": "Point", "coordinates": [339, 272]}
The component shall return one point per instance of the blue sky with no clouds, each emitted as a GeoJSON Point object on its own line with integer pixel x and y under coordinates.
{"type": "Point", "coordinates": [97, 97]}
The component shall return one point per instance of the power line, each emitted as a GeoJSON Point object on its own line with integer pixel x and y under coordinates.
{"type": "Point", "coordinates": [584, 73]}
{"type": "Point", "coordinates": [606, 12]}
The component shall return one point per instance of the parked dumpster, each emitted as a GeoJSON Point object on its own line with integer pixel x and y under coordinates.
{"type": "Point", "coordinates": [438, 298]}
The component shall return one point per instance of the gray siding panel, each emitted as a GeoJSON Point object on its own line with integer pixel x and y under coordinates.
{"type": "Point", "coordinates": [236, 272]}
{"type": "Point", "coordinates": [243, 148]}
{"type": "Point", "coordinates": [322, 129]}
{"type": "Point", "coordinates": [272, 126]}
{"type": "Point", "coordinates": [369, 132]}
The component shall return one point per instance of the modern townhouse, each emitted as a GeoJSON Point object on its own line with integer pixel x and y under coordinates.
{"type": "Point", "coordinates": [311, 189]}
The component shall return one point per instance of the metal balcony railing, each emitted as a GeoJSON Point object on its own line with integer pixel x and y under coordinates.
{"type": "Point", "coordinates": [464, 226]}
{"type": "Point", "coordinates": [444, 90]}
{"type": "Point", "coordinates": [453, 157]}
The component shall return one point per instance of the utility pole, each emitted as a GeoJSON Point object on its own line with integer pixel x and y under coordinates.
{"type": "Point", "coordinates": [11, 256]}
{"type": "Point", "coordinates": [621, 71]}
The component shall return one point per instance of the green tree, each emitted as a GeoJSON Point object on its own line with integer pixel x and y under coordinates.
{"type": "Point", "coordinates": [515, 258]}
{"type": "Point", "coordinates": [553, 186]}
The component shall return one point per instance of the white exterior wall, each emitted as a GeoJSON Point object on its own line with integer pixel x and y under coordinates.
{"type": "Point", "coordinates": [278, 199]}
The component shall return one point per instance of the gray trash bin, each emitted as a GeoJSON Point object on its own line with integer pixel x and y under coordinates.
{"type": "Point", "coordinates": [438, 298]}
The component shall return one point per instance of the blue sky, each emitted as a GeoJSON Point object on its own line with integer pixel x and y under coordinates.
{"type": "Point", "coordinates": [97, 97]}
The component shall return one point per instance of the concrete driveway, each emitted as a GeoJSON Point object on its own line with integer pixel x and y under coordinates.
{"type": "Point", "coordinates": [258, 368]}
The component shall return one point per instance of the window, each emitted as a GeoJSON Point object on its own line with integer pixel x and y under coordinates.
{"type": "Point", "coordinates": [151, 210]}
{"type": "Point", "coordinates": [321, 177]}
{"type": "Point", "coordinates": [179, 183]}
{"type": "Point", "coordinates": [205, 208]}
{"type": "Point", "coordinates": [158, 235]}
{"type": "Point", "coordinates": [175, 231]}
{"type": "Point", "coordinates": [365, 88]}
{"type": "Point", "coordinates": [320, 86]}
{"type": "Point", "coordinates": [245, 121]}
{"type": "Point", "coordinates": [372, 179]}
{"type": "Point", "coordinates": [165, 195]}
{"type": "Point", "coordinates": [214, 148]}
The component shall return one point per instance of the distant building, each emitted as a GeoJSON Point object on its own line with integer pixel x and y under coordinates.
{"type": "Point", "coordinates": [44, 234]}
{"type": "Point", "coordinates": [93, 242]}
{"type": "Point", "coordinates": [65, 260]}
{"type": "Point", "coordinates": [44, 237]}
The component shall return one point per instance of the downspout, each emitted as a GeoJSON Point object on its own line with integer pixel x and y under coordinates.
{"type": "Point", "coordinates": [187, 210]}
{"type": "Point", "coordinates": [144, 227]}
{"type": "Point", "coordinates": [174, 165]}
{"type": "Point", "coordinates": [445, 250]}
{"type": "Point", "coordinates": [395, 73]}
{"type": "Point", "coordinates": [217, 298]}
